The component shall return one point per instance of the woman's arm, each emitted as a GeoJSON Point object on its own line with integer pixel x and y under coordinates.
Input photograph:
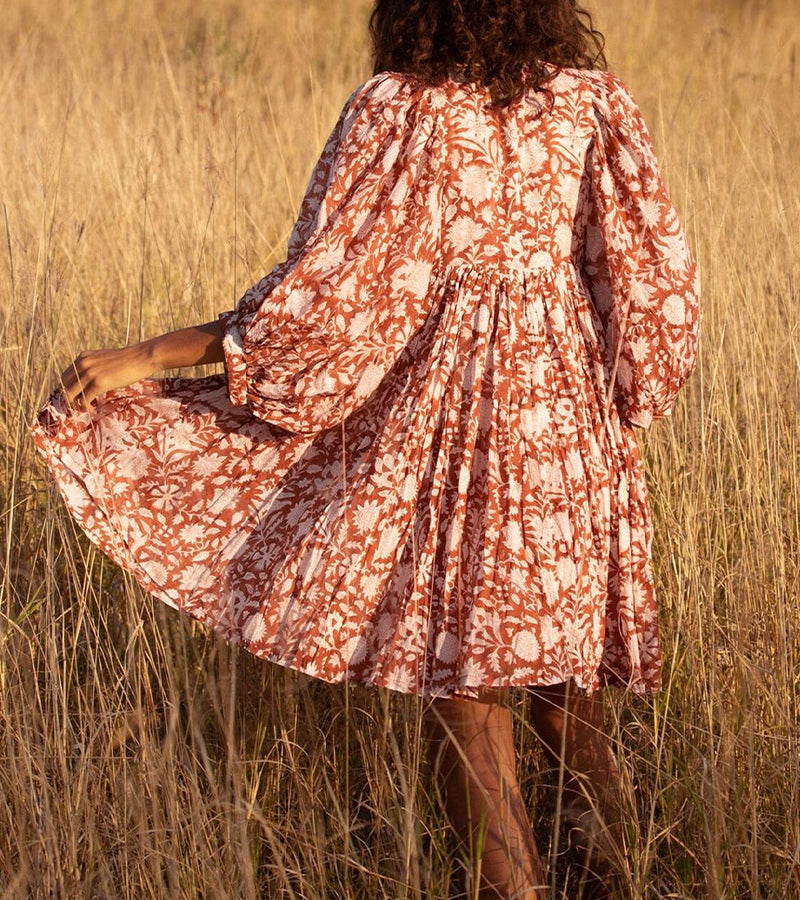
{"type": "Point", "coordinates": [194, 346]}
{"type": "Point", "coordinates": [94, 372]}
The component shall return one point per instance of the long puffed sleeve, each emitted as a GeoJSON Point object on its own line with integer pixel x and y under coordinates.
{"type": "Point", "coordinates": [637, 263]}
{"type": "Point", "coordinates": [310, 342]}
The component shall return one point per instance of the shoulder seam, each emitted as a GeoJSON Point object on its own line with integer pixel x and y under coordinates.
{"type": "Point", "coordinates": [370, 90]}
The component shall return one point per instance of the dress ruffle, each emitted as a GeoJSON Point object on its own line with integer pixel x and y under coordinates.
{"type": "Point", "coordinates": [419, 470]}
{"type": "Point", "coordinates": [450, 534]}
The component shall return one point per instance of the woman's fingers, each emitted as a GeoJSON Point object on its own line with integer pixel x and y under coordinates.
{"type": "Point", "coordinates": [77, 385]}
{"type": "Point", "coordinates": [94, 372]}
{"type": "Point", "coordinates": [71, 379]}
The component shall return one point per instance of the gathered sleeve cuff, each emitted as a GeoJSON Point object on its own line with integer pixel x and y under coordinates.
{"type": "Point", "coordinates": [235, 367]}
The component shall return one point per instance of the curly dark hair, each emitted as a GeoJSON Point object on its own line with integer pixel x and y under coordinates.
{"type": "Point", "coordinates": [501, 44]}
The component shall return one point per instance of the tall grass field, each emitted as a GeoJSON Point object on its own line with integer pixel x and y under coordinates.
{"type": "Point", "coordinates": [153, 155]}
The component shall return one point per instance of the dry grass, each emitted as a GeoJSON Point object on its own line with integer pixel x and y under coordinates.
{"type": "Point", "coordinates": [152, 157]}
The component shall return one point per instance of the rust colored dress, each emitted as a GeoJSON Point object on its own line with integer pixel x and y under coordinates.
{"type": "Point", "coordinates": [419, 468]}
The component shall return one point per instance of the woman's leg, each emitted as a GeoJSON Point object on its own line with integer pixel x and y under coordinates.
{"type": "Point", "coordinates": [569, 723]}
{"type": "Point", "coordinates": [471, 750]}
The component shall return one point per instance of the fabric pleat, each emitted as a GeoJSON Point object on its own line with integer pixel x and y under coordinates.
{"type": "Point", "coordinates": [419, 469]}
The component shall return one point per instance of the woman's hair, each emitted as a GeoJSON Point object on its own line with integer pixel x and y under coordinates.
{"type": "Point", "coordinates": [501, 44]}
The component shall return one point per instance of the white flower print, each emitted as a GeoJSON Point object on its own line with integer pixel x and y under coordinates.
{"type": "Point", "coordinates": [405, 475]}
{"type": "Point", "coordinates": [446, 646]}
{"type": "Point", "coordinates": [366, 515]}
{"type": "Point", "coordinates": [526, 645]}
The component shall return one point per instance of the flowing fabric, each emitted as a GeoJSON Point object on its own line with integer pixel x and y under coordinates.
{"type": "Point", "coordinates": [419, 469]}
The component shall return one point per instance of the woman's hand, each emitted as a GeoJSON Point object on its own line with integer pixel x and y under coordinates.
{"type": "Point", "coordinates": [94, 372]}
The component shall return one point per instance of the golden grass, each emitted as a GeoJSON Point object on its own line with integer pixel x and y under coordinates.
{"type": "Point", "coordinates": [152, 158]}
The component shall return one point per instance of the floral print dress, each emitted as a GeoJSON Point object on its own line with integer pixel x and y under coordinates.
{"type": "Point", "coordinates": [419, 468]}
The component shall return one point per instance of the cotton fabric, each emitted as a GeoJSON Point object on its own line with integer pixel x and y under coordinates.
{"type": "Point", "coordinates": [419, 469]}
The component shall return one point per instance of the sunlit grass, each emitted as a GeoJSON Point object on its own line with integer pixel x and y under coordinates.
{"type": "Point", "coordinates": [152, 158]}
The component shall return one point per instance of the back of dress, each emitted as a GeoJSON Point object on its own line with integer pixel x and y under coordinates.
{"type": "Point", "coordinates": [420, 471]}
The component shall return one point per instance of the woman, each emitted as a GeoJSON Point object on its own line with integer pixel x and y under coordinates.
{"type": "Point", "coordinates": [419, 469]}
